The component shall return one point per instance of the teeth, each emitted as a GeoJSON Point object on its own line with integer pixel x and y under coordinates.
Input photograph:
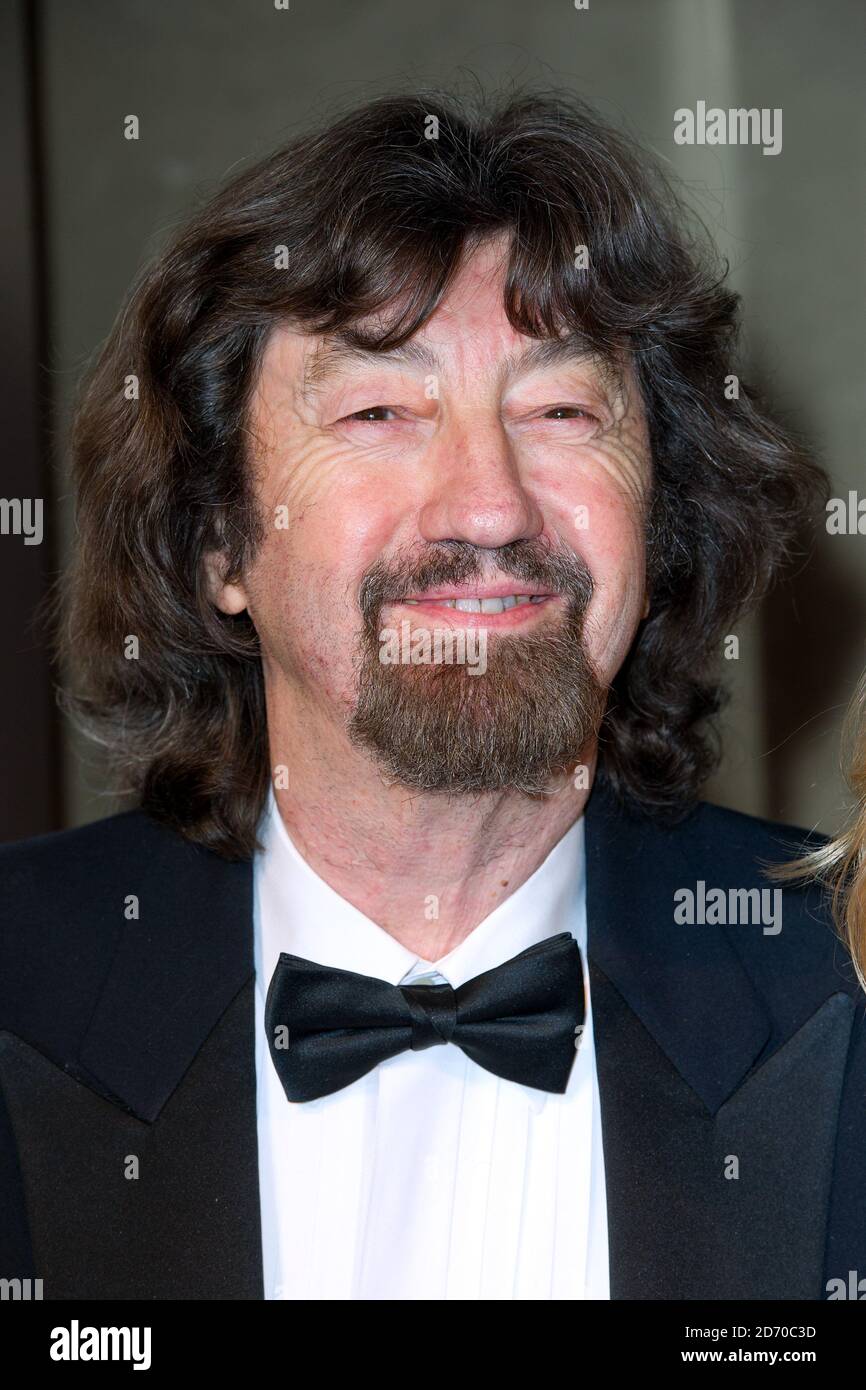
{"type": "Point", "coordinates": [483, 605]}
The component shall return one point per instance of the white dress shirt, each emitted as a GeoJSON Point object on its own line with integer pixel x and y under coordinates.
{"type": "Point", "coordinates": [428, 1178]}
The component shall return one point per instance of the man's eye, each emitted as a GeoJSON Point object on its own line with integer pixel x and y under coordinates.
{"type": "Point", "coordinates": [570, 412]}
{"type": "Point", "coordinates": [371, 413]}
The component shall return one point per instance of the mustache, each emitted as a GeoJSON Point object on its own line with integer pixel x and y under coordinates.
{"type": "Point", "coordinates": [456, 562]}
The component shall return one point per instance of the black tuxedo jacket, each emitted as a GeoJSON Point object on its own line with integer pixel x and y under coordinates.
{"type": "Point", "coordinates": [720, 1049]}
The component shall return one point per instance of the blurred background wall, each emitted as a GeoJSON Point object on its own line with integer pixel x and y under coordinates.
{"type": "Point", "coordinates": [214, 82]}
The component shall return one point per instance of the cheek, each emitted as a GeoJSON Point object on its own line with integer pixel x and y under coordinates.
{"type": "Point", "coordinates": [613, 545]}
{"type": "Point", "coordinates": [325, 526]}
{"type": "Point", "coordinates": [325, 505]}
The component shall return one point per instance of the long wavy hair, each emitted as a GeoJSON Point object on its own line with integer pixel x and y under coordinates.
{"type": "Point", "coordinates": [840, 863]}
{"type": "Point", "coordinates": [371, 215]}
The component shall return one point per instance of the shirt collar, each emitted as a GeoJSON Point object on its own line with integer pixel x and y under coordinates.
{"type": "Point", "coordinates": [304, 916]}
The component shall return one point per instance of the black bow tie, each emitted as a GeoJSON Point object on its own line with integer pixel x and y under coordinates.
{"type": "Point", "coordinates": [326, 1027]}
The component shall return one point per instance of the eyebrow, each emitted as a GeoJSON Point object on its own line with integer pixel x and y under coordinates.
{"type": "Point", "coordinates": [336, 353]}
{"type": "Point", "coordinates": [555, 352]}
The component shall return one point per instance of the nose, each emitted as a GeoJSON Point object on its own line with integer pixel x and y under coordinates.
{"type": "Point", "coordinates": [477, 492]}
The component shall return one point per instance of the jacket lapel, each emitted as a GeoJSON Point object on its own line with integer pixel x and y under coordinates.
{"type": "Point", "coordinates": [139, 1154]}
{"type": "Point", "coordinates": [715, 1186]}
{"type": "Point", "coordinates": [123, 1207]}
{"type": "Point", "coordinates": [726, 1205]}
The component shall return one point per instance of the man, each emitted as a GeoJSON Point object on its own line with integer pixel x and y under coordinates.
{"type": "Point", "coordinates": [413, 509]}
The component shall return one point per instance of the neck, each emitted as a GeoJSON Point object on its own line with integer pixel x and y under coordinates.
{"type": "Point", "coordinates": [426, 867]}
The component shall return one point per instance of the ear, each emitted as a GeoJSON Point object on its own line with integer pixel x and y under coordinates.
{"type": "Point", "coordinates": [228, 598]}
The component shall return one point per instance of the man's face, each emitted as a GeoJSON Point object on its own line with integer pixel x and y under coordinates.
{"type": "Point", "coordinates": [400, 492]}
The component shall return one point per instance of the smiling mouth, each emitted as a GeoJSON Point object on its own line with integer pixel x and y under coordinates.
{"type": "Point", "coordinates": [490, 607]}
{"type": "Point", "coordinates": [480, 603]}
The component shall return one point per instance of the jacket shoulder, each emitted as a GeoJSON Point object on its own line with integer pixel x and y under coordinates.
{"type": "Point", "coordinates": [799, 947]}
{"type": "Point", "coordinates": [72, 876]}
{"type": "Point", "coordinates": [67, 897]}
{"type": "Point", "coordinates": [738, 833]}
{"type": "Point", "coordinates": [782, 929]}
